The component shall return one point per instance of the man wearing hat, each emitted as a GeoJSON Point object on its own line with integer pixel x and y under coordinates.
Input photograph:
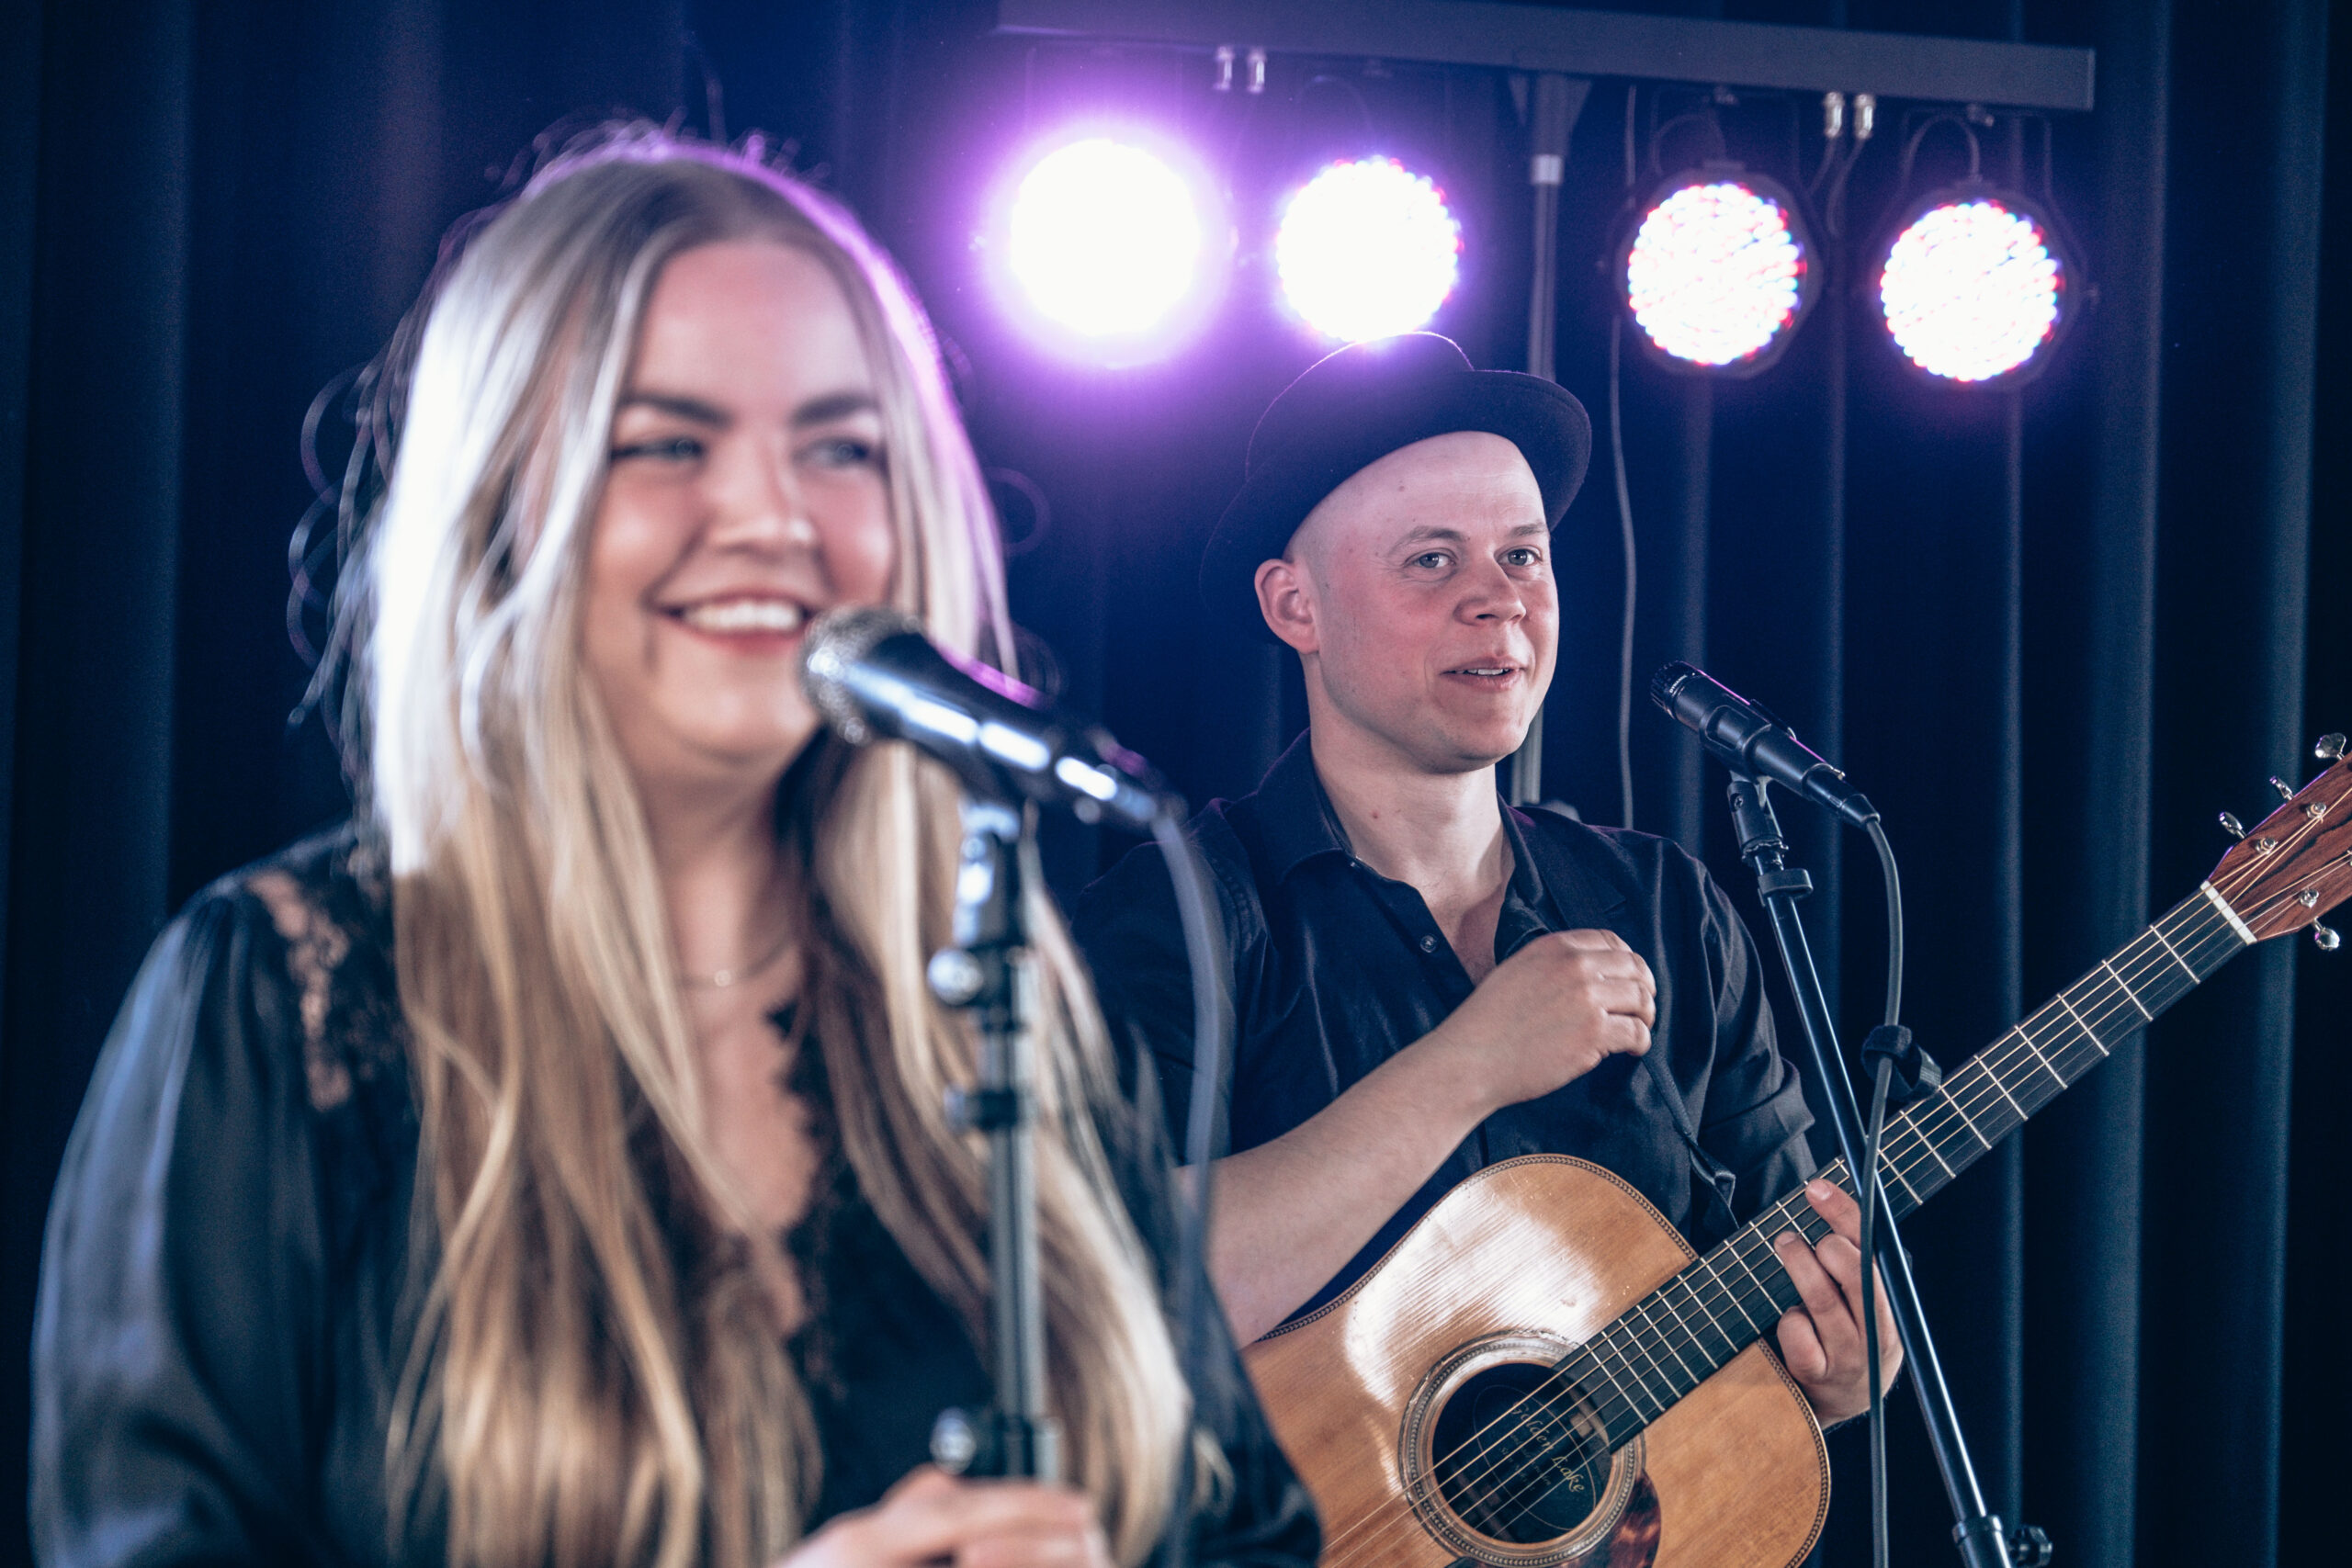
{"type": "Point", "coordinates": [1425, 979]}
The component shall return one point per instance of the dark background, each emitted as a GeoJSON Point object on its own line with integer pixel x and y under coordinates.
{"type": "Point", "coordinates": [2053, 633]}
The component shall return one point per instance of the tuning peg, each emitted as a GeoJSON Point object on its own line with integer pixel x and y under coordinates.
{"type": "Point", "coordinates": [2328, 748]}
{"type": "Point", "coordinates": [2231, 826]}
{"type": "Point", "coordinates": [2286, 791]}
{"type": "Point", "coordinates": [2326, 938]}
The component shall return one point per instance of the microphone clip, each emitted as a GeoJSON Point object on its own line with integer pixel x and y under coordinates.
{"type": "Point", "coordinates": [1915, 1073]}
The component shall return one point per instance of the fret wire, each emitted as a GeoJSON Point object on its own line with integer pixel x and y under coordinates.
{"type": "Point", "coordinates": [1658, 1341]}
{"type": "Point", "coordinates": [1690, 1291]}
{"type": "Point", "coordinates": [1630, 1384]}
{"type": "Point", "coordinates": [1888, 1167]}
{"type": "Point", "coordinates": [1656, 1375]}
{"type": "Point", "coordinates": [1736, 1246]}
{"type": "Point", "coordinates": [2092, 994]}
{"type": "Point", "coordinates": [2003, 1090]}
{"type": "Point", "coordinates": [1909, 1123]}
{"type": "Point", "coordinates": [1919, 1177]}
{"type": "Point", "coordinates": [1696, 1275]}
{"type": "Point", "coordinates": [1596, 1344]}
{"type": "Point", "coordinates": [1730, 1293]}
{"type": "Point", "coordinates": [1792, 1213]}
{"type": "Point", "coordinates": [2154, 973]}
{"type": "Point", "coordinates": [1664, 1296]}
{"type": "Point", "coordinates": [2128, 991]}
{"type": "Point", "coordinates": [1733, 1294]}
{"type": "Point", "coordinates": [1942, 1116]}
{"type": "Point", "coordinates": [1951, 1099]}
{"type": "Point", "coordinates": [1973, 1094]}
{"type": "Point", "coordinates": [1648, 1307]}
{"type": "Point", "coordinates": [2022, 1032]}
{"type": "Point", "coordinates": [1987, 1106]}
{"type": "Point", "coordinates": [1630, 1340]}
{"type": "Point", "coordinates": [2176, 953]}
{"type": "Point", "coordinates": [2032, 1072]}
{"type": "Point", "coordinates": [2089, 1032]}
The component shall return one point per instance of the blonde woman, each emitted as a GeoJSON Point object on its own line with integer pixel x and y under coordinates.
{"type": "Point", "coordinates": [552, 1168]}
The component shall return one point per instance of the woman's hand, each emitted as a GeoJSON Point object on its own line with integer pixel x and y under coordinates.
{"type": "Point", "coordinates": [932, 1517]}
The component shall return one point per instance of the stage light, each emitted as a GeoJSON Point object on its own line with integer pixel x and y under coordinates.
{"type": "Point", "coordinates": [1974, 285]}
{"type": "Point", "coordinates": [1717, 270]}
{"type": "Point", "coordinates": [1108, 245]}
{"type": "Point", "coordinates": [1366, 250]}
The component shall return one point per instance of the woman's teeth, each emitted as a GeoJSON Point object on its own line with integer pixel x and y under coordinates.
{"type": "Point", "coordinates": [744, 615]}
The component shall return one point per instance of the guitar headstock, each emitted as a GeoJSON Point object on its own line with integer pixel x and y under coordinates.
{"type": "Point", "coordinates": [2296, 863]}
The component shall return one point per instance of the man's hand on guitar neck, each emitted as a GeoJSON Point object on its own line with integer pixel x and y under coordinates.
{"type": "Point", "coordinates": [1821, 1342]}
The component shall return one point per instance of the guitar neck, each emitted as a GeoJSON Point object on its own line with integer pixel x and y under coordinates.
{"type": "Point", "coordinates": [1673, 1339]}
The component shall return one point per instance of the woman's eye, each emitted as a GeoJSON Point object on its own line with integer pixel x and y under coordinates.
{"type": "Point", "coordinates": [846, 452]}
{"type": "Point", "coordinates": [667, 448]}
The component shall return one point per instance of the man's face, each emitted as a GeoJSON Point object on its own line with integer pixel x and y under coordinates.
{"type": "Point", "coordinates": [1419, 594]}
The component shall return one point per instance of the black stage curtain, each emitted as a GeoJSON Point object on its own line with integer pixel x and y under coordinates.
{"type": "Point", "coordinates": [2051, 632]}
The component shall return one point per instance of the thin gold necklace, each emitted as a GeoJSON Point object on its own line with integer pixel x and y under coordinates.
{"type": "Point", "coordinates": [719, 979]}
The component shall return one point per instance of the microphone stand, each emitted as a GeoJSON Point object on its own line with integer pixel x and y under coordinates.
{"type": "Point", "coordinates": [1977, 1531]}
{"type": "Point", "coordinates": [990, 974]}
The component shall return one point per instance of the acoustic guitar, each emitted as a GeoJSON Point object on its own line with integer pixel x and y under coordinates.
{"type": "Point", "coordinates": [1540, 1374]}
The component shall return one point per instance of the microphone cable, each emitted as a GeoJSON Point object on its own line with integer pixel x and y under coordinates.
{"type": "Point", "coordinates": [1205, 951]}
{"type": "Point", "coordinates": [1867, 1179]}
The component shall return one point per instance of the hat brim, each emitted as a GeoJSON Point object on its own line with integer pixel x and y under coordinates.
{"type": "Point", "coordinates": [1540, 418]}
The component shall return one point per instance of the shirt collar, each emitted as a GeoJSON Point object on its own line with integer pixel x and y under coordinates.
{"type": "Point", "coordinates": [1561, 882]}
{"type": "Point", "coordinates": [1295, 813]}
{"type": "Point", "coordinates": [1296, 818]}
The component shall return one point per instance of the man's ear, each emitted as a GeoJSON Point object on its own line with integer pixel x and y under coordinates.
{"type": "Point", "coordinates": [1286, 600]}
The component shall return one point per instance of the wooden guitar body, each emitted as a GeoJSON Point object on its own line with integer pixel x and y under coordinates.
{"type": "Point", "coordinates": [1432, 1354]}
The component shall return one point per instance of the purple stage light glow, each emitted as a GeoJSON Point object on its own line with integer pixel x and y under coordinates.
{"type": "Point", "coordinates": [1102, 245]}
{"type": "Point", "coordinates": [1367, 250]}
{"type": "Point", "coordinates": [1971, 289]}
{"type": "Point", "coordinates": [1715, 272]}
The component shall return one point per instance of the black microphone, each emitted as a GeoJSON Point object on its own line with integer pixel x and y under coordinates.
{"type": "Point", "coordinates": [872, 673]}
{"type": "Point", "coordinates": [1747, 735]}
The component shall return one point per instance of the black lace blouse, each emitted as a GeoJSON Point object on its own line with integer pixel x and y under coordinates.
{"type": "Point", "coordinates": [226, 1301]}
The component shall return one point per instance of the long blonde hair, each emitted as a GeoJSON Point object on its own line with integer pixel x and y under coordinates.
{"type": "Point", "coordinates": [591, 1380]}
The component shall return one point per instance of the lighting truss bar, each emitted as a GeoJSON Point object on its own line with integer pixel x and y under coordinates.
{"type": "Point", "coordinates": [1586, 43]}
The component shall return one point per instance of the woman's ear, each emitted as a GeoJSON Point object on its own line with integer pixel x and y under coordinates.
{"type": "Point", "coordinates": [1286, 598]}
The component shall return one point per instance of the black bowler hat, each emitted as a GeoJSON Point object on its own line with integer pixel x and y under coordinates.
{"type": "Point", "coordinates": [1353, 408]}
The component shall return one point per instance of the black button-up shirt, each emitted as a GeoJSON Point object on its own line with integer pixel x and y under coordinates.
{"type": "Point", "coordinates": [1336, 968]}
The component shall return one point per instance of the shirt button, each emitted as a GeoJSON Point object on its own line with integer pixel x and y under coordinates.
{"type": "Point", "coordinates": [1429, 944]}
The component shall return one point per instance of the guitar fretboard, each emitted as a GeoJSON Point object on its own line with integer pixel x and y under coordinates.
{"type": "Point", "coordinates": [1674, 1338]}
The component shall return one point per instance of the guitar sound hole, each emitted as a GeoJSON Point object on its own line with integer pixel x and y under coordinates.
{"type": "Point", "coordinates": [1518, 1456]}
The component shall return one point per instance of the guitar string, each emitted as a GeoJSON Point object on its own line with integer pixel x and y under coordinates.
{"type": "Point", "coordinates": [1759, 1230]}
{"type": "Point", "coordinates": [1687, 1280]}
{"type": "Point", "coordinates": [1581, 1455]}
{"type": "Point", "coordinates": [1739, 1297]}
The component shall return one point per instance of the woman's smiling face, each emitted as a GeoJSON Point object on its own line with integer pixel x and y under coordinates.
{"type": "Point", "coordinates": [747, 494]}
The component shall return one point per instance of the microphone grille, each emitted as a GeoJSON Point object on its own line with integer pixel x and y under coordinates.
{"type": "Point", "coordinates": [833, 646]}
{"type": "Point", "coordinates": [1667, 685]}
